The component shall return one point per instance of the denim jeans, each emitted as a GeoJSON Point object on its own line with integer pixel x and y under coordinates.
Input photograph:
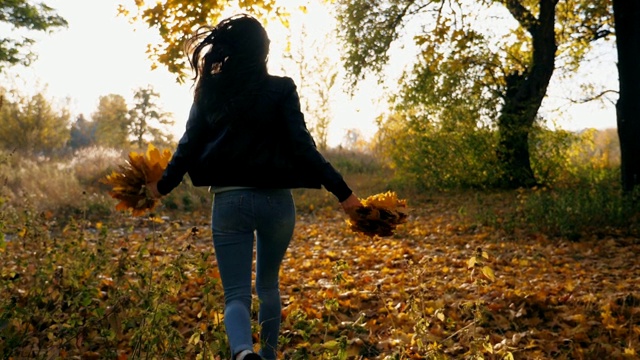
{"type": "Point", "coordinates": [238, 215]}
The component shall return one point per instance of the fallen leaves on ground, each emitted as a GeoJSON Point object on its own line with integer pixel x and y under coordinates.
{"type": "Point", "coordinates": [440, 288]}
{"type": "Point", "coordinates": [128, 182]}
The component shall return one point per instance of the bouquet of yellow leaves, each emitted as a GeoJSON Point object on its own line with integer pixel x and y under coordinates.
{"type": "Point", "coordinates": [129, 181]}
{"type": "Point", "coordinates": [379, 215]}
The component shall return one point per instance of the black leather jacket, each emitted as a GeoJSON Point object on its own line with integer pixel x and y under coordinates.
{"type": "Point", "coordinates": [260, 140]}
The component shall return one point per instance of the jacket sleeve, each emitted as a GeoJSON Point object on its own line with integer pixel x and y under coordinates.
{"type": "Point", "coordinates": [304, 147]}
{"type": "Point", "coordinates": [185, 153]}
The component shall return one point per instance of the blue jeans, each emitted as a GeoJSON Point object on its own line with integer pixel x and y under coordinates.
{"type": "Point", "coordinates": [236, 216]}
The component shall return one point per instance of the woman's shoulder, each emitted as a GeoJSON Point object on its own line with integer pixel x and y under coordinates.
{"type": "Point", "coordinates": [280, 82]}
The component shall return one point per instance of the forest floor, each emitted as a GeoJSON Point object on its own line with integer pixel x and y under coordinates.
{"type": "Point", "coordinates": [444, 286]}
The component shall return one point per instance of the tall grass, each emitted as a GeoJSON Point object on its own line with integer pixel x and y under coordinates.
{"type": "Point", "coordinates": [582, 210]}
{"type": "Point", "coordinates": [70, 185]}
{"type": "Point", "coordinates": [63, 186]}
{"type": "Point", "coordinates": [593, 209]}
{"type": "Point", "coordinates": [587, 199]}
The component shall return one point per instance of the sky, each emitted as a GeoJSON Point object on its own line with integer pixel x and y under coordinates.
{"type": "Point", "coordinates": [101, 53]}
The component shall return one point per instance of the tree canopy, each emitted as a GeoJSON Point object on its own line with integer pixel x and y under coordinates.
{"type": "Point", "coordinates": [176, 19]}
{"type": "Point", "coordinates": [31, 124]}
{"type": "Point", "coordinates": [439, 28]}
{"type": "Point", "coordinates": [475, 56]}
{"type": "Point", "coordinates": [477, 64]}
{"type": "Point", "coordinates": [23, 17]}
{"type": "Point", "coordinates": [111, 121]}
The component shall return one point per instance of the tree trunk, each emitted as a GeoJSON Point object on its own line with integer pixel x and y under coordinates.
{"type": "Point", "coordinates": [524, 94]}
{"type": "Point", "coordinates": [627, 25]}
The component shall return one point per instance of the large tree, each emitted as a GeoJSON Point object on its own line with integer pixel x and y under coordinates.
{"type": "Point", "coordinates": [627, 27]}
{"type": "Point", "coordinates": [316, 79]}
{"type": "Point", "coordinates": [111, 120]}
{"type": "Point", "coordinates": [21, 15]}
{"type": "Point", "coordinates": [513, 66]}
{"type": "Point", "coordinates": [31, 124]}
{"type": "Point", "coordinates": [147, 121]}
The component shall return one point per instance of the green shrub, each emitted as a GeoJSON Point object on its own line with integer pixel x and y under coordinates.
{"type": "Point", "coordinates": [564, 157]}
{"type": "Point", "coordinates": [429, 158]}
{"type": "Point", "coordinates": [583, 209]}
{"type": "Point", "coordinates": [549, 154]}
{"type": "Point", "coordinates": [595, 208]}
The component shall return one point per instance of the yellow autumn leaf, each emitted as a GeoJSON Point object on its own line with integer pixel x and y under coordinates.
{"type": "Point", "coordinates": [194, 339]}
{"type": "Point", "coordinates": [488, 273]}
{"type": "Point", "coordinates": [157, 220]}
{"type": "Point", "coordinates": [331, 344]}
{"type": "Point", "coordinates": [471, 262]}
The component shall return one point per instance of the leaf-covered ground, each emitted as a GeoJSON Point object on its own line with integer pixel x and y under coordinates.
{"type": "Point", "coordinates": [443, 287]}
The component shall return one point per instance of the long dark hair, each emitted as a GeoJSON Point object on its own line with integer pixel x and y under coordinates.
{"type": "Point", "coordinates": [227, 58]}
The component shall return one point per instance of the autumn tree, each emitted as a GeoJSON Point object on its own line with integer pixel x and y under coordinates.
{"type": "Point", "coordinates": [21, 17]}
{"type": "Point", "coordinates": [316, 79]}
{"type": "Point", "coordinates": [464, 40]}
{"type": "Point", "coordinates": [353, 140]}
{"type": "Point", "coordinates": [627, 28]}
{"type": "Point", "coordinates": [322, 88]}
{"type": "Point", "coordinates": [176, 19]}
{"type": "Point", "coordinates": [147, 121]}
{"type": "Point", "coordinates": [31, 124]}
{"type": "Point", "coordinates": [111, 120]}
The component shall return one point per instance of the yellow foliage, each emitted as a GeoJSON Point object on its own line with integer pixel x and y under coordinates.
{"type": "Point", "coordinates": [176, 19]}
{"type": "Point", "coordinates": [129, 182]}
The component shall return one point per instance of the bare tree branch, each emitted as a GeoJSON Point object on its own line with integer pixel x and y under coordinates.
{"type": "Point", "coordinates": [598, 96]}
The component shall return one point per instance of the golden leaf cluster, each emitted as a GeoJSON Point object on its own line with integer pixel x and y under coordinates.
{"type": "Point", "coordinates": [380, 215]}
{"type": "Point", "coordinates": [129, 181]}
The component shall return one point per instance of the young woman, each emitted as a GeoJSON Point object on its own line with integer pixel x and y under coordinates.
{"type": "Point", "coordinates": [247, 140]}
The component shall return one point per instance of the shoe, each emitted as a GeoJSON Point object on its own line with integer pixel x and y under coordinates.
{"type": "Point", "coordinates": [248, 355]}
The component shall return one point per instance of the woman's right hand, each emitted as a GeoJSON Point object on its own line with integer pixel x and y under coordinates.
{"type": "Point", "coordinates": [350, 205]}
{"type": "Point", "coordinates": [152, 190]}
